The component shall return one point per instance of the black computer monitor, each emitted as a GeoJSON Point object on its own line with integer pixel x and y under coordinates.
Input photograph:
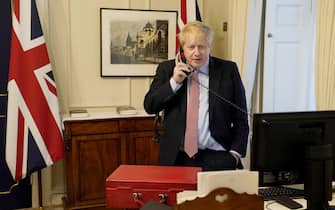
{"type": "Point", "coordinates": [283, 143]}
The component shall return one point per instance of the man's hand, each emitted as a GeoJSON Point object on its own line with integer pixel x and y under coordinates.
{"type": "Point", "coordinates": [237, 158]}
{"type": "Point", "coordinates": [180, 70]}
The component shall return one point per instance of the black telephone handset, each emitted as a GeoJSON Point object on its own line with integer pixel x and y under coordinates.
{"type": "Point", "coordinates": [181, 55]}
{"type": "Point", "coordinates": [182, 58]}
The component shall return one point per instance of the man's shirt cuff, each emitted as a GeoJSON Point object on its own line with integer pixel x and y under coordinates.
{"type": "Point", "coordinates": [174, 85]}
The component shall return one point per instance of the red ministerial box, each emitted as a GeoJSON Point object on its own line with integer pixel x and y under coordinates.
{"type": "Point", "coordinates": [131, 186]}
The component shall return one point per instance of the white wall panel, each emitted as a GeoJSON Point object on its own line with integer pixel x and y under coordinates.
{"type": "Point", "coordinates": [164, 5]}
{"type": "Point", "coordinates": [87, 88]}
{"type": "Point", "coordinates": [139, 4]}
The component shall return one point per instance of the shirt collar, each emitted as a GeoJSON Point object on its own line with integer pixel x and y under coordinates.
{"type": "Point", "coordinates": [204, 68]}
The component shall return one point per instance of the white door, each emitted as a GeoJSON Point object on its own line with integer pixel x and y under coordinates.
{"type": "Point", "coordinates": [288, 76]}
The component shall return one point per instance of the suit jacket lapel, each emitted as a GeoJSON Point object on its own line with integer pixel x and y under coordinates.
{"type": "Point", "coordinates": [214, 83]}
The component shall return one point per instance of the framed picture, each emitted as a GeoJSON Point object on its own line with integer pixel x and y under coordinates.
{"type": "Point", "coordinates": [133, 42]}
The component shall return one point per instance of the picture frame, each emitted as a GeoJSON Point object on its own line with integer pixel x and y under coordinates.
{"type": "Point", "coordinates": [133, 42]}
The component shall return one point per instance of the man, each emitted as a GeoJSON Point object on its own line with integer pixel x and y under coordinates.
{"type": "Point", "coordinates": [222, 127]}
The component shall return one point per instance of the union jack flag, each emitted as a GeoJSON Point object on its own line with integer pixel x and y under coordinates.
{"type": "Point", "coordinates": [188, 11]}
{"type": "Point", "coordinates": [34, 135]}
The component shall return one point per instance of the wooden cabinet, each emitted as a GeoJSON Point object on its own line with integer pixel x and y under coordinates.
{"type": "Point", "coordinates": [95, 148]}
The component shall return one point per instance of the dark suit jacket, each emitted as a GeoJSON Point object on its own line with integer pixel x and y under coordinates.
{"type": "Point", "coordinates": [228, 125]}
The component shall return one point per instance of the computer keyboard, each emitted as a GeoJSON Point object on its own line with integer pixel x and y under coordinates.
{"type": "Point", "coordinates": [270, 193]}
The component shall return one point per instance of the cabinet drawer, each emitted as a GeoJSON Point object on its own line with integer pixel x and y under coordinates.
{"type": "Point", "coordinates": [93, 127]}
{"type": "Point", "coordinates": [136, 124]}
{"type": "Point", "coordinates": [146, 124]}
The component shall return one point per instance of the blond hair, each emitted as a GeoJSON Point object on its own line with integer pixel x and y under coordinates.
{"type": "Point", "coordinates": [196, 27]}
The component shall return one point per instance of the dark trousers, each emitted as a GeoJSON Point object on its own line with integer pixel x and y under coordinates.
{"type": "Point", "coordinates": [209, 160]}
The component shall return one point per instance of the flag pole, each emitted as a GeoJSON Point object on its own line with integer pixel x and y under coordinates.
{"type": "Point", "coordinates": [40, 192]}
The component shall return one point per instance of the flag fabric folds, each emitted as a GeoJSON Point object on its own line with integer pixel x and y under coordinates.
{"type": "Point", "coordinates": [188, 11]}
{"type": "Point", "coordinates": [34, 136]}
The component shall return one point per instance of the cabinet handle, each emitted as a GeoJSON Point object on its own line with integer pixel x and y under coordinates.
{"type": "Point", "coordinates": [67, 143]}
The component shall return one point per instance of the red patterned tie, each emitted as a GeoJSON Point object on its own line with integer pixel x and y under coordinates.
{"type": "Point", "coordinates": [191, 134]}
